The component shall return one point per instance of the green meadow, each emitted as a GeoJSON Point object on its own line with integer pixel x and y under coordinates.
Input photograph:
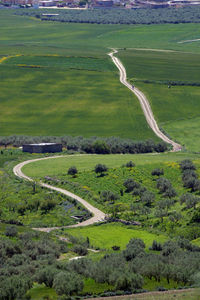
{"type": "Point", "coordinates": [86, 162]}
{"type": "Point", "coordinates": [126, 206]}
{"type": "Point", "coordinates": [69, 62]}
{"type": "Point", "coordinates": [177, 108]}
{"type": "Point", "coordinates": [108, 235]}
{"type": "Point", "coordinates": [57, 79]}
{"type": "Point", "coordinates": [63, 82]}
{"type": "Point", "coordinates": [57, 101]}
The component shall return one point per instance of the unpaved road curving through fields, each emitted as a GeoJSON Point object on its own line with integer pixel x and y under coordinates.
{"type": "Point", "coordinates": [97, 214]}
{"type": "Point", "coordinates": [143, 102]}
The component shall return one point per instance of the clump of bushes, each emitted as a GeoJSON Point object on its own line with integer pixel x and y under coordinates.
{"type": "Point", "coordinates": [165, 187]}
{"type": "Point", "coordinates": [189, 176]}
{"type": "Point", "coordinates": [157, 172]}
{"type": "Point", "coordinates": [130, 164]}
{"type": "Point", "coordinates": [156, 246]}
{"type": "Point", "coordinates": [108, 196]}
{"type": "Point", "coordinates": [100, 169]}
{"type": "Point", "coordinates": [72, 171]}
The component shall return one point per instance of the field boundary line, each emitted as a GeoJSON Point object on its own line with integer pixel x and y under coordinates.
{"type": "Point", "coordinates": [148, 113]}
{"type": "Point", "coordinates": [98, 215]}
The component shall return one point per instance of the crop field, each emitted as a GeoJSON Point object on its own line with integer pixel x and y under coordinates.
{"type": "Point", "coordinates": [32, 36]}
{"type": "Point", "coordinates": [51, 101]}
{"type": "Point", "coordinates": [58, 66]}
{"type": "Point", "coordinates": [69, 62]}
{"type": "Point", "coordinates": [175, 107]}
{"type": "Point", "coordinates": [160, 66]}
{"type": "Point", "coordinates": [57, 79]}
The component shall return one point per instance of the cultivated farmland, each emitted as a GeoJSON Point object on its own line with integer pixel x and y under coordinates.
{"type": "Point", "coordinates": [60, 100]}
{"type": "Point", "coordinates": [171, 81]}
{"type": "Point", "coordinates": [57, 79]}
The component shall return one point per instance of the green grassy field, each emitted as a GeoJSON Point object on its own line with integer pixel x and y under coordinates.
{"type": "Point", "coordinates": [128, 207]}
{"type": "Point", "coordinates": [177, 108]}
{"type": "Point", "coordinates": [69, 62]}
{"type": "Point", "coordinates": [177, 111]}
{"type": "Point", "coordinates": [87, 162]}
{"type": "Point", "coordinates": [49, 101]}
{"type": "Point", "coordinates": [31, 36]}
{"type": "Point", "coordinates": [112, 109]}
{"type": "Point", "coordinates": [161, 65]}
{"type": "Point", "coordinates": [108, 235]}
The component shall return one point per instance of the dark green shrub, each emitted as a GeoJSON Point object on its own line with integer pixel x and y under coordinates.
{"type": "Point", "coordinates": [108, 196]}
{"type": "Point", "coordinates": [116, 248]}
{"type": "Point", "coordinates": [72, 171]}
{"type": "Point", "coordinates": [11, 231]}
{"type": "Point", "coordinates": [80, 250]}
{"type": "Point", "coordinates": [66, 283]}
{"type": "Point", "coordinates": [130, 184]}
{"type": "Point", "coordinates": [157, 172]}
{"type": "Point", "coordinates": [130, 164]}
{"type": "Point", "coordinates": [100, 169]}
{"type": "Point", "coordinates": [156, 246]}
{"type": "Point", "coordinates": [187, 164]}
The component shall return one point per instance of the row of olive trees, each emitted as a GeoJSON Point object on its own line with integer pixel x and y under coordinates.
{"type": "Point", "coordinates": [189, 14]}
{"type": "Point", "coordinates": [32, 257]}
{"type": "Point", "coordinates": [90, 145]}
{"type": "Point", "coordinates": [189, 175]}
{"type": "Point", "coordinates": [176, 261]}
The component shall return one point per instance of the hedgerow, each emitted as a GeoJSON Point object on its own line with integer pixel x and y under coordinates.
{"type": "Point", "coordinates": [90, 145]}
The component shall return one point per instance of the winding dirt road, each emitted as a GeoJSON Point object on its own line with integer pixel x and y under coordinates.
{"type": "Point", "coordinates": [97, 214]}
{"type": "Point", "coordinates": [143, 102]}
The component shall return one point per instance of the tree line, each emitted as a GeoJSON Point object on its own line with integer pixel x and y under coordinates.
{"type": "Point", "coordinates": [31, 257]}
{"type": "Point", "coordinates": [91, 145]}
{"type": "Point", "coordinates": [189, 14]}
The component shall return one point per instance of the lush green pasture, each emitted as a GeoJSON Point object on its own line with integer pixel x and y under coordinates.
{"type": "Point", "coordinates": [39, 291]}
{"type": "Point", "coordinates": [161, 65]}
{"type": "Point", "coordinates": [127, 206]}
{"type": "Point", "coordinates": [69, 62]}
{"type": "Point", "coordinates": [48, 101]}
{"type": "Point", "coordinates": [186, 131]}
{"type": "Point", "coordinates": [87, 103]}
{"type": "Point", "coordinates": [60, 165]}
{"type": "Point", "coordinates": [177, 111]}
{"type": "Point", "coordinates": [176, 108]}
{"type": "Point", "coordinates": [31, 36]}
{"type": "Point", "coordinates": [108, 235]}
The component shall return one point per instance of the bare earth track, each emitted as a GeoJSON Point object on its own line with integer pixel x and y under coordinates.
{"type": "Point", "coordinates": [97, 214]}
{"type": "Point", "coordinates": [143, 102]}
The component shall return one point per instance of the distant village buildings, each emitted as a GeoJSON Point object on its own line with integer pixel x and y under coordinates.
{"type": "Point", "coordinates": [127, 4]}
